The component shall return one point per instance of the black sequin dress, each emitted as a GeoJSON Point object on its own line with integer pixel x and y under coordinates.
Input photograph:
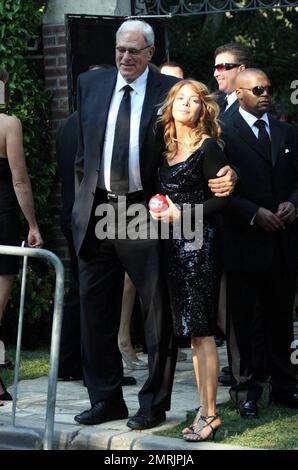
{"type": "Point", "coordinates": [9, 219]}
{"type": "Point", "coordinates": [193, 274]}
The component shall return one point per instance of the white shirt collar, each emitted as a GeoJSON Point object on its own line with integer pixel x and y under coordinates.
{"type": "Point", "coordinates": [231, 98]}
{"type": "Point", "coordinates": [251, 119]}
{"type": "Point", "coordinates": [139, 85]}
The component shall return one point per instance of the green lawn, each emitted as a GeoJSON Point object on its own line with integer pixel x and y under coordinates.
{"type": "Point", "coordinates": [33, 364]}
{"type": "Point", "coordinates": [276, 428]}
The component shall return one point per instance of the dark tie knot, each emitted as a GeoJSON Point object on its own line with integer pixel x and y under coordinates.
{"type": "Point", "coordinates": [127, 89]}
{"type": "Point", "coordinates": [260, 124]}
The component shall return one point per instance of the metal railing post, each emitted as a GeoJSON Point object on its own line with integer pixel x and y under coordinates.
{"type": "Point", "coordinates": [56, 332]}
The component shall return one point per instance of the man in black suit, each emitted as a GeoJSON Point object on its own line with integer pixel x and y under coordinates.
{"type": "Point", "coordinates": [230, 60]}
{"type": "Point", "coordinates": [70, 364]}
{"type": "Point", "coordinates": [102, 97]}
{"type": "Point", "coordinates": [260, 242]}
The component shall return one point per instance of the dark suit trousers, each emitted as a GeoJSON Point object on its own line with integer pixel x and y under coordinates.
{"type": "Point", "coordinates": [70, 363]}
{"type": "Point", "coordinates": [102, 265]}
{"type": "Point", "coordinates": [274, 292]}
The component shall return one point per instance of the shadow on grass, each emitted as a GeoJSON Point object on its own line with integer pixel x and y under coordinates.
{"type": "Point", "coordinates": [276, 427]}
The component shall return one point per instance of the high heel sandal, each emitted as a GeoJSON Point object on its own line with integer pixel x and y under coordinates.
{"type": "Point", "coordinates": [5, 396]}
{"type": "Point", "coordinates": [190, 429]}
{"type": "Point", "coordinates": [196, 434]}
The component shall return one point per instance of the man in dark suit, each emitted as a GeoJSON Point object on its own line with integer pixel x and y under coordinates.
{"type": "Point", "coordinates": [260, 242]}
{"type": "Point", "coordinates": [230, 60]}
{"type": "Point", "coordinates": [70, 364]}
{"type": "Point", "coordinates": [102, 98]}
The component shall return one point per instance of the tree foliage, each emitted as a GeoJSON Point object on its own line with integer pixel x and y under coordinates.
{"type": "Point", "coordinates": [272, 36]}
{"type": "Point", "coordinates": [20, 24]}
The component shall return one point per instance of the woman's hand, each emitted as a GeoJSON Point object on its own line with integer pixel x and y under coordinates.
{"type": "Point", "coordinates": [34, 238]}
{"type": "Point", "coordinates": [169, 215]}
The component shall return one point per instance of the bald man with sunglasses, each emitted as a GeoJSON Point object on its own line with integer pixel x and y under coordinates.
{"type": "Point", "coordinates": [260, 243]}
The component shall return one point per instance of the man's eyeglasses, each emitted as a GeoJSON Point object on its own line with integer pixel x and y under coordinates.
{"type": "Point", "coordinates": [259, 90]}
{"type": "Point", "coordinates": [130, 50]}
{"type": "Point", "coordinates": [225, 66]}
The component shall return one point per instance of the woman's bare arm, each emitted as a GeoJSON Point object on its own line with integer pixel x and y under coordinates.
{"type": "Point", "coordinates": [20, 178]}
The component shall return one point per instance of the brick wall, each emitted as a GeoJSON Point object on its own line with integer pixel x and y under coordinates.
{"type": "Point", "coordinates": [55, 71]}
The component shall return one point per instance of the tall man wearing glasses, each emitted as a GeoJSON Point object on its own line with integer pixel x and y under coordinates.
{"type": "Point", "coordinates": [260, 242]}
{"type": "Point", "coordinates": [230, 60]}
{"type": "Point", "coordinates": [120, 151]}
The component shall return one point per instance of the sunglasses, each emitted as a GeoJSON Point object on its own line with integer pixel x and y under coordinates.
{"type": "Point", "coordinates": [225, 66]}
{"type": "Point", "coordinates": [259, 90]}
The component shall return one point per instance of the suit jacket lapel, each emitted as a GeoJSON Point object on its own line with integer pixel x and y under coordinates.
{"type": "Point", "coordinates": [247, 134]}
{"type": "Point", "coordinates": [276, 135]}
{"type": "Point", "coordinates": [150, 105]}
{"type": "Point", "coordinates": [231, 110]}
{"type": "Point", "coordinates": [102, 104]}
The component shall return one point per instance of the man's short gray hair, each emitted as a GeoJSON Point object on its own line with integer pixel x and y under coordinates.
{"type": "Point", "coordinates": [137, 25]}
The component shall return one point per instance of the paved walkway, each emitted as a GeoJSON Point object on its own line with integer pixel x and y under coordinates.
{"type": "Point", "coordinates": [72, 398]}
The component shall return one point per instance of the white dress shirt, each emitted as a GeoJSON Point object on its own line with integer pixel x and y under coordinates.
{"type": "Point", "coordinates": [137, 96]}
{"type": "Point", "coordinates": [250, 119]}
{"type": "Point", "coordinates": [231, 98]}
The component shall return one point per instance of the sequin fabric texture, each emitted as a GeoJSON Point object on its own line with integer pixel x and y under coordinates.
{"type": "Point", "coordinates": [192, 274]}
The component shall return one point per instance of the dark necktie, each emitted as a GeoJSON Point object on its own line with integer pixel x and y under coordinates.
{"type": "Point", "coordinates": [119, 165]}
{"type": "Point", "coordinates": [264, 138]}
{"type": "Point", "coordinates": [225, 104]}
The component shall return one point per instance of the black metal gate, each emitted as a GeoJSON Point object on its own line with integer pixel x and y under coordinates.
{"type": "Point", "coordinates": [189, 8]}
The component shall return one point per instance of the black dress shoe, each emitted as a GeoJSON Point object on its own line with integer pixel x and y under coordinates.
{"type": "Point", "coordinates": [145, 419]}
{"type": "Point", "coordinates": [7, 365]}
{"type": "Point", "coordinates": [5, 396]}
{"type": "Point", "coordinates": [284, 397]}
{"type": "Point", "coordinates": [226, 379]}
{"type": "Point", "coordinates": [128, 381]}
{"type": "Point", "coordinates": [248, 409]}
{"type": "Point", "coordinates": [102, 412]}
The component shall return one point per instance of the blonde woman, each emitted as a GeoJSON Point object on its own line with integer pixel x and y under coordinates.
{"type": "Point", "coordinates": [194, 155]}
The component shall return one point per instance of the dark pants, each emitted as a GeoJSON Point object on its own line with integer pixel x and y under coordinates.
{"type": "Point", "coordinates": [102, 265]}
{"type": "Point", "coordinates": [273, 292]}
{"type": "Point", "coordinates": [70, 362]}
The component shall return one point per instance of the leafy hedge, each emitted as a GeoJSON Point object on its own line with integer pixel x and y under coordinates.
{"type": "Point", "coordinates": [19, 23]}
{"type": "Point", "coordinates": [272, 36]}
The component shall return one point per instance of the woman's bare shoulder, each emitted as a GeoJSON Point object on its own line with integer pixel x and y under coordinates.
{"type": "Point", "coordinates": [9, 120]}
{"type": "Point", "coordinates": [10, 123]}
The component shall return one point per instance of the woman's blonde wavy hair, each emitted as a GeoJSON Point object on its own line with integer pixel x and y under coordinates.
{"type": "Point", "coordinates": [207, 122]}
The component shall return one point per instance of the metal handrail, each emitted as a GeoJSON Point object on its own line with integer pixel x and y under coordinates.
{"type": "Point", "coordinates": [56, 332]}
